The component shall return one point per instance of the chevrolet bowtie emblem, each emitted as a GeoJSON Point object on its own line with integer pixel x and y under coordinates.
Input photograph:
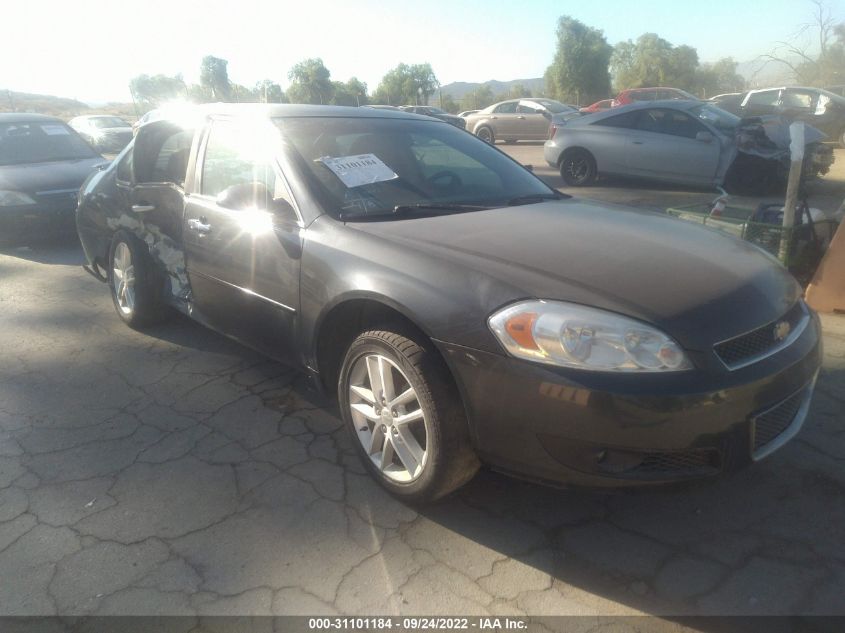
{"type": "Point", "coordinates": [782, 330]}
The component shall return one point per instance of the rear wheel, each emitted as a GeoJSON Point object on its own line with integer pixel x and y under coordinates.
{"type": "Point", "coordinates": [136, 288]}
{"type": "Point", "coordinates": [486, 134]}
{"type": "Point", "coordinates": [578, 168]}
{"type": "Point", "coordinates": [405, 416]}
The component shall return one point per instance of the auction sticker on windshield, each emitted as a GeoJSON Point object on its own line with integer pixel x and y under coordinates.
{"type": "Point", "coordinates": [363, 169]}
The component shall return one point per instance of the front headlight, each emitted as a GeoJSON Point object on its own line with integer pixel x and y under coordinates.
{"type": "Point", "coordinates": [14, 198]}
{"type": "Point", "coordinates": [572, 335]}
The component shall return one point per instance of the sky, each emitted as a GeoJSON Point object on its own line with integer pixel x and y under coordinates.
{"type": "Point", "coordinates": [90, 49]}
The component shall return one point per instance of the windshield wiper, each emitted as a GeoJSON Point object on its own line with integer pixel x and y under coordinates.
{"type": "Point", "coordinates": [536, 197]}
{"type": "Point", "coordinates": [404, 210]}
{"type": "Point", "coordinates": [439, 206]}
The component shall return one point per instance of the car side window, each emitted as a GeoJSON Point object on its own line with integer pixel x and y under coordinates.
{"type": "Point", "coordinates": [626, 120]}
{"type": "Point", "coordinates": [171, 162]}
{"type": "Point", "coordinates": [234, 156]}
{"type": "Point", "coordinates": [764, 98]}
{"type": "Point", "coordinates": [506, 108]}
{"type": "Point", "coordinates": [672, 122]}
{"type": "Point", "coordinates": [527, 109]}
{"type": "Point", "coordinates": [797, 99]}
{"type": "Point", "coordinates": [124, 167]}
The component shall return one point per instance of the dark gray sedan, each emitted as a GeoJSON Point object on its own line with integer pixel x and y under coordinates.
{"type": "Point", "coordinates": [42, 164]}
{"type": "Point", "coordinates": [461, 310]}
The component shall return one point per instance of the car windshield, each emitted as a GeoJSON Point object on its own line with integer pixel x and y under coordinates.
{"type": "Point", "coordinates": [108, 121]}
{"type": "Point", "coordinates": [370, 166]}
{"type": "Point", "coordinates": [553, 106]}
{"type": "Point", "coordinates": [718, 118]}
{"type": "Point", "coordinates": [40, 142]}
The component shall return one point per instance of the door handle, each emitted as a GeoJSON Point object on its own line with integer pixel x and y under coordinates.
{"type": "Point", "coordinates": [199, 226]}
{"type": "Point", "coordinates": [143, 208]}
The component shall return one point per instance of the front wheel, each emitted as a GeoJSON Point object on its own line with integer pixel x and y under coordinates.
{"type": "Point", "coordinates": [405, 416]}
{"type": "Point", "coordinates": [486, 134]}
{"type": "Point", "coordinates": [578, 168]}
{"type": "Point", "coordinates": [136, 289]}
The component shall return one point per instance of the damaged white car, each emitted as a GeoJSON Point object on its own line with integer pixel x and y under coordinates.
{"type": "Point", "coordinates": [683, 142]}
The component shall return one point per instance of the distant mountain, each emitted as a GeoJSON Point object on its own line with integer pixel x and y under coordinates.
{"type": "Point", "coordinates": [458, 89]}
{"type": "Point", "coordinates": [62, 107]}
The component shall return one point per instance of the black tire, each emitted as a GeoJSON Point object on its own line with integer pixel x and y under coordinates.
{"type": "Point", "coordinates": [578, 168]}
{"type": "Point", "coordinates": [147, 305]}
{"type": "Point", "coordinates": [485, 133]}
{"type": "Point", "coordinates": [449, 460]}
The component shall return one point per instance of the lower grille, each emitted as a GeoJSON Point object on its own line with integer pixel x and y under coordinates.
{"type": "Point", "coordinates": [661, 465]}
{"type": "Point", "coordinates": [775, 421]}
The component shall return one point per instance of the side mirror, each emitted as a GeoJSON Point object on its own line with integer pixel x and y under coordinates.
{"type": "Point", "coordinates": [704, 137]}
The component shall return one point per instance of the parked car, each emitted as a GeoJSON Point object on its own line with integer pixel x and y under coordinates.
{"type": "Point", "coordinates": [466, 113]}
{"type": "Point", "coordinates": [516, 120]}
{"type": "Point", "coordinates": [43, 162]}
{"type": "Point", "coordinates": [598, 106]}
{"type": "Point", "coordinates": [104, 133]}
{"type": "Point", "coordinates": [633, 95]}
{"type": "Point", "coordinates": [461, 309]}
{"type": "Point", "coordinates": [687, 142]}
{"type": "Point", "coordinates": [822, 109]}
{"type": "Point", "coordinates": [437, 113]}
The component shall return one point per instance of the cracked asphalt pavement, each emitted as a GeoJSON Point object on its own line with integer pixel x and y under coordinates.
{"type": "Point", "coordinates": [177, 472]}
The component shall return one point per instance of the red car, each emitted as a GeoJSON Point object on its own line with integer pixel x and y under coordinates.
{"type": "Point", "coordinates": [598, 106]}
{"type": "Point", "coordinates": [633, 95]}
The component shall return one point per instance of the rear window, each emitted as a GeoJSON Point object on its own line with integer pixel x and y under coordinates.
{"type": "Point", "coordinates": [40, 142]}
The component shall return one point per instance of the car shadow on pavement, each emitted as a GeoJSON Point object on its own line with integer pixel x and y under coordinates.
{"type": "Point", "coordinates": [67, 252]}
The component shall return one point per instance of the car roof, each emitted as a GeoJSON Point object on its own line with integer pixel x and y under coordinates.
{"type": "Point", "coordinates": [271, 111]}
{"type": "Point", "coordinates": [26, 117]}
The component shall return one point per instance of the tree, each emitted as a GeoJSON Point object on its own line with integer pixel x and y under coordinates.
{"type": "Point", "coordinates": [269, 91]}
{"type": "Point", "coordinates": [351, 93]}
{"type": "Point", "coordinates": [214, 78]}
{"type": "Point", "coordinates": [718, 77]}
{"type": "Point", "coordinates": [310, 82]}
{"type": "Point", "coordinates": [479, 98]}
{"type": "Point", "coordinates": [816, 53]}
{"type": "Point", "coordinates": [653, 61]}
{"type": "Point", "coordinates": [448, 103]}
{"type": "Point", "coordinates": [579, 71]}
{"type": "Point", "coordinates": [152, 91]}
{"type": "Point", "coordinates": [407, 84]}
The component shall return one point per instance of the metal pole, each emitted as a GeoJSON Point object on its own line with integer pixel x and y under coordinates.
{"type": "Point", "coordinates": [796, 150]}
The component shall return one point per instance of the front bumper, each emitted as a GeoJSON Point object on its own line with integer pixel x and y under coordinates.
{"type": "Point", "coordinates": [603, 429]}
{"type": "Point", "coordinates": [41, 221]}
{"type": "Point", "coordinates": [551, 152]}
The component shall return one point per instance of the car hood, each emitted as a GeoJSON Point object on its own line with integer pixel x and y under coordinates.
{"type": "Point", "coordinates": [40, 177]}
{"type": "Point", "coordinates": [696, 284]}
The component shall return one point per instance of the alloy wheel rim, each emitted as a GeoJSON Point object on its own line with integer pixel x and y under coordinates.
{"type": "Point", "coordinates": [123, 278]}
{"type": "Point", "coordinates": [484, 135]}
{"type": "Point", "coordinates": [388, 418]}
{"type": "Point", "coordinates": [579, 169]}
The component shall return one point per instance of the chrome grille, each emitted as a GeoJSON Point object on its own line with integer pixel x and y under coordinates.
{"type": "Point", "coordinates": [757, 344]}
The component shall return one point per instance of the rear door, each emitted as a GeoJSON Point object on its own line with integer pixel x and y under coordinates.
{"type": "Point", "coordinates": [244, 263]}
{"type": "Point", "coordinates": [664, 146]}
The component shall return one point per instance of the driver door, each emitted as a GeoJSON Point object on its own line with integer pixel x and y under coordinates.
{"type": "Point", "coordinates": [243, 259]}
